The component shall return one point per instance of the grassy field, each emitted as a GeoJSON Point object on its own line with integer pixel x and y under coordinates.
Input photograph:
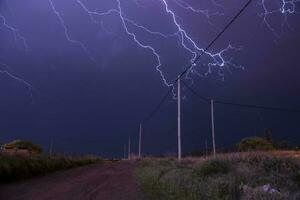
{"type": "Point", "coordinates": [234, 176]}
{"type": "Point", "coordinates": [17, 167]}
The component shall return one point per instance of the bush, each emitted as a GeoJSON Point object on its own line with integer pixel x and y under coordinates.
{"type": "Point", "coordinates": [233, 177]}
{"type": "Point", "coordinates": [254, 144]}
{"type": "Point", "coordinates": [22, 144]}
{"type": "Point", "coordinates": [297, 177]}
{"type": "Point", "coordinates": [273, 163]}
{"type": "Point", "coordinates": [212, 167]}
{"type": "Point", "coordinates": [278, 164]}
{"type": "Point", "coordinates": [259, 194]}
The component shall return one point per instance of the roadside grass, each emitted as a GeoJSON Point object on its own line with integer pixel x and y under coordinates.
{"type": "Point", "coordinates": [250, 177]}
{"type": "Point", "coordinates": [14, 168]}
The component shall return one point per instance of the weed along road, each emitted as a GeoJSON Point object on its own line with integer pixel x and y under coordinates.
{"type": "Point", "coordinates": [107, 181]}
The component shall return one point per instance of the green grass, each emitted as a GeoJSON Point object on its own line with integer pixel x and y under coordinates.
{"type": "Point", "coordinates": [14, 168]}
{"type": "Point", "coordinates": [229, 178]}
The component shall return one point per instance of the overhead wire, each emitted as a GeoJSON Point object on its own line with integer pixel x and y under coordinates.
{"type": "Point", "coordinates": [197, 59]}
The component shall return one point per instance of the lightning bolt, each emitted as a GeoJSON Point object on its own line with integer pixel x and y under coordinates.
{"type": "Point", "coordinates": [285, 7]}
{"type": "Point", "coordinates": [207, 13]}
{"type": "Point", "coordinates": [7, 71]}
{"type": "Point", "coordinates": [183, 37]}
{"type": "Point", "coordinates": [125, 21]}
{"type": "Point", "coordinates": [67, 35]}
{"type": "Point", "coordinates": [16, 32]}
{"type": "Point", "coordinates": [218, 59]}
{"type": "Point", "coordinates": [289, 6]}
{"type": "Point", "coordinates": [116, 11]}
{"type": "Point", "coordinates": [144, 46]}
{"type": "Point", "coordinates": [92, 15]}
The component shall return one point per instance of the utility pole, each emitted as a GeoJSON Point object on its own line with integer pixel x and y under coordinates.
{"type": "Point", "coordinates": [140, 141]}
{"type": "Point", "coordinates": [179, 118]}
{"type": "Point", "coordinates": [206, 151]}
{"type": "Point", "coordinates": [51, 148]}
{"type": "Point", "coordinates": [213, 126]}
{"type": "Point", "coordinates": [129, 148]}
{"type": "Point", "coordinates": [124, 151]}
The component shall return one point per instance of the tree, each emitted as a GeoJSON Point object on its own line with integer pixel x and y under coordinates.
{"type": "Point", "coordinates": [254, 144]}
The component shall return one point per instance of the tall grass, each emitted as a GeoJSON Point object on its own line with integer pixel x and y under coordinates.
{"type": "Point", "coordinates": [19, 167]}
{"type": "Point", "coordinates": [234, 177]}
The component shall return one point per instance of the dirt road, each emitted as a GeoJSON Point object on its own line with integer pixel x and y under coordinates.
{"type": "Point", "coordinates": [106, 181]}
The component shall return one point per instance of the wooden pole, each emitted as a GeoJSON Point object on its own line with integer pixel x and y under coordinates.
{"type": "Point", "coordinates": [179, 118]}
{"type": "Point", "coordinates": [213, 126]}
{"type": "Point", "coordinates": [140, 141]}
{"type": "Point", "coordinates": [129, 148]}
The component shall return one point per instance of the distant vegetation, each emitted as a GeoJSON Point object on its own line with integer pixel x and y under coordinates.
{"type": "Point", "coordinates": [21, 167]}
{"type": "Point", "coordinates": [246, 177]}
{"type": "Point", "coordinates": [16, 164]}
{"type": "Point", "coordinates": [254, 144]}
{"type": "Point", "coordinates": [22, 144]}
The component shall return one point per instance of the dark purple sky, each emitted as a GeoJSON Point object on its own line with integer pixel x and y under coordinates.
{"type": "Point", "coordinates": [94, 84]}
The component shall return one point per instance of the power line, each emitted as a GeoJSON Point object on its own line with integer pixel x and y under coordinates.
{"type": "Point", "coordinates": [205, 99]}
{"type": "Point", "coordinates": [158, 106]}
{"type": "Point", "coordinates": [241, 105]}
{"type": "Point", "coordinates": [216, 38]}
{"type": "Point", "coordinates": [155, 110]}
{"type": "Point", "coordinates": [258, 106]}
{"type": "Point", "coordinates": [71, 140]}
{"type": "Point", "coordinates": [196, 60]}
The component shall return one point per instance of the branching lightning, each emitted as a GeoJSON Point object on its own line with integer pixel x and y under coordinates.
{"type": "Point", "coordinates": [16, 32]}
{"type": "Point", "coordinates": [124, 22]}
{"type": "Point", "coordinates": [92, 15]}
{"type": "Point", "coordinates": [204, 12]}
{"type": "Point", "coordinates": [284, 7]}
{"type": "Point", "coordinates": [216, 61]}
{"type": "Point", "coordinates": [149, 47]}
{"type": "Point", "coordinates": [7, 71]}
{"type": "Point", "coordinates": [185, 40]}
{"type": "Point", "coordinates": [66, 32]}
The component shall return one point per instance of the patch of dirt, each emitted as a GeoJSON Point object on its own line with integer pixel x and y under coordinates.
{"type": "Point", "coordinates": [106, 181]}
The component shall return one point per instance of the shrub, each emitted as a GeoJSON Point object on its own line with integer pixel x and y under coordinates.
{"type": "Point", "coordinates": [212, 167]}
{"type": "Point", "coordinates": [228, 189]}
{"type": "Point", "coordinates": [297, 177]}
{"type": "Point", "coordinates": [273, 163]}
{"type": "Point", "coordinates": [259, 194]}
{"type": "Point", "coordinates": [278, 164]}
{"type": "Point", "coordinates": [232, 178]}
{"type": "Point", "coordinates": [22, 144]}
{"type": "Point", "coordinates": [254, 144]}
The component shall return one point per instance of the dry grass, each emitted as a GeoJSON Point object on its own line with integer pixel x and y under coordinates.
{"type": "Point", "coordinates": [254, 175]}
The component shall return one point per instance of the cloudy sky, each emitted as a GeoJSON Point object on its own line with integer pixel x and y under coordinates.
{"type": "Point", "coordinates": [86, 73]}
